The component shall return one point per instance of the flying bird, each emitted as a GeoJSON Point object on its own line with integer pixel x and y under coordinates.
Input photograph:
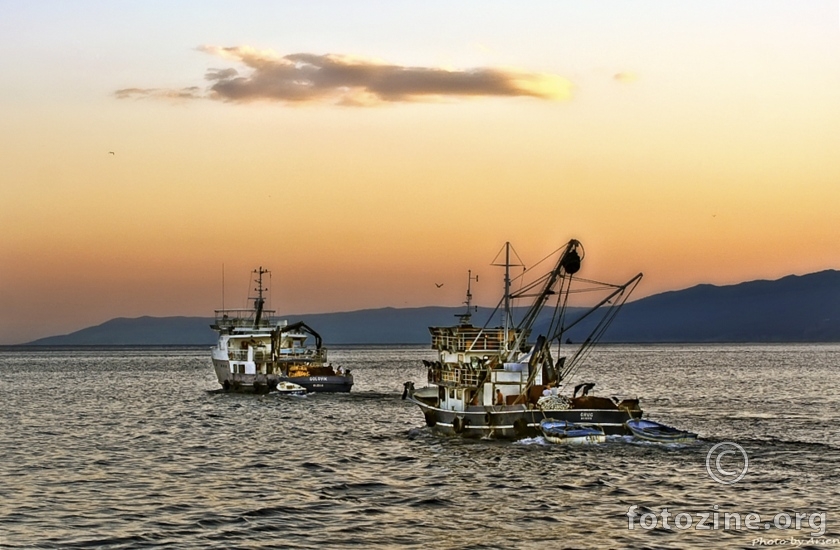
{"type": "Point", "coordinates": [110, 152]}
{"type": "Point", "coordinates": [438, 285]}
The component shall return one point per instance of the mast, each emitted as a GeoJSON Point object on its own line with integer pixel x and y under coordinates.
{"type": "Point", "coordinates": [259, 301]}
{"type": "Point", "coordinates": [507, 293]}
{"type": "Point", "coordinates": [507, 322]}
{"type": "Point", "coordinates": [507, 289]}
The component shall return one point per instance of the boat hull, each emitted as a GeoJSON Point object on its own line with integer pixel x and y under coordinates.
{"type": "Point", "coordinates": [659, 433]}
{"type": "Point", "coordinates": [264, 383]}
{"type": "Point", "coordinates": [513, 422]}
{"type": "Point", "coordinates": [566, 433]}
{"type": "Point", "coordinates": [590, 439]}
{"type": "Point", "coordinates": [325, 384]}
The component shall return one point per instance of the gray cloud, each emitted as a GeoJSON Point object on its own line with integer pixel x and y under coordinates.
{"type": "Point", "coordinates": [192, 92]}
{"type": "Point", "coordinates": [346, 80]}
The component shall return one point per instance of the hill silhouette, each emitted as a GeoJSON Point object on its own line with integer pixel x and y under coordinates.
{"type": "Point", "coordinates": [802, 308]}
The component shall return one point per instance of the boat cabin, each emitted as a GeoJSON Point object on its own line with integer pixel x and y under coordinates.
{"type": "Point", "coordinates": [469, 373]}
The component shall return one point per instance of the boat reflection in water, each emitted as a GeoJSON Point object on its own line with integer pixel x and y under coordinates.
{"type": "Point", "coordinates": [255, 353]}
{"type": "Point", "coordinates": [489, 382]}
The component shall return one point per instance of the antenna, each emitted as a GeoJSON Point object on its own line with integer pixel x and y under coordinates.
{"type": "Point", "coordinates": [465, 317]}
{"type": "Point", "coordinates": [470, 279]}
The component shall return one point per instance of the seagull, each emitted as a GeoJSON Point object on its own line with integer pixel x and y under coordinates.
{"type": "Point", "coordinates": [438, 285]}
{"type": "Point", "coordinates": [586, 388]}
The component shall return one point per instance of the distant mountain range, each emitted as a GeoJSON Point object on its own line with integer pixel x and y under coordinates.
{"type": "Point", "coordinates": [802, 308]}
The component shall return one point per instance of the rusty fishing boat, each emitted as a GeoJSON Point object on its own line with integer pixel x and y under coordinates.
{"type": "Point", "coordinates": [255, 352]}
{"type": "Point", "coordinates": [490, 382]}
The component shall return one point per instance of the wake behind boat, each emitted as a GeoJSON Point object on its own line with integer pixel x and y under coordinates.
{"type": "Point", "coordinates": [488, 382]}
{"type": "Point", "coordinates": [255, 353]}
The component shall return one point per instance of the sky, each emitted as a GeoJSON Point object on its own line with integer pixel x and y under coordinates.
{"type": "Point", "coordinates": [152, 154]}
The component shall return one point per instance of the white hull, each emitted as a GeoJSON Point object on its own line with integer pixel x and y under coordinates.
{"type": "Point", "coordinates": [576, 440]}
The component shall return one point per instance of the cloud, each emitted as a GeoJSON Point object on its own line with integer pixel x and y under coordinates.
{"type": "Point", "coordinates": [347, 80]}
{"type": "Point", "coordinates": [192, 92]}
{"type": "Point", "coordinates": [625, 78]}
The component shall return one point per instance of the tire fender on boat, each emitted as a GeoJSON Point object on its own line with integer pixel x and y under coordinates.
{"type": "Point", "coordinates": [430, 419]}
{"type": "Point", "coordinates": [458, 424]}
{"type": "Point", "coordinates": [520, 427]}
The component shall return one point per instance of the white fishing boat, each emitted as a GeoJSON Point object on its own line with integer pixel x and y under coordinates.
{"type": "Point", "coordinates": [289, 388]}
{"type": "Point", "coordinates": [255, 353]}
{"type": "Point", "coordinates": [490, 382]}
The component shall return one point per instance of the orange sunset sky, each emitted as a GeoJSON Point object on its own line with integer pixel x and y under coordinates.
{"type": "Point", "coordinates": [364, 151]}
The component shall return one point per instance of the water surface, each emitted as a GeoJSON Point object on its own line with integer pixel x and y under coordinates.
{"type": "Point", "coordinates": [130, 448]}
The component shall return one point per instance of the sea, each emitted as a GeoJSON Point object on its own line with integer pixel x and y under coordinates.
{"type": "Point", "coordinates": [130, 448]}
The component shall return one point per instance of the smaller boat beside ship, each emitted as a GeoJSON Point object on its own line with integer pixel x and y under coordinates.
{"type": "Point", "coordinates": [648, 430]}
{"type": "Point", "coordinates": [564, 432]}
{"type": "Point", "coordinates": [289, 388]}
{"type": "Point", "coordinates": [256, 354]}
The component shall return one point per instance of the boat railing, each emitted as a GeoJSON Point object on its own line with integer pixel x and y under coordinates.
{"type": "Point", "coordinates": [462, 377]}
{"type": "Point", "coordinates": [302, 354]}
{"type": "Point", "coordinates": [455, 343]}
{"type": "Point", "coordinates": [243, 317]}
{"type": "Point", "coordinates": [260, 356]}
{"type": "Point", "coordinates": [470, 340]}
{"type": "Point", "coordinates": [264, 356]}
